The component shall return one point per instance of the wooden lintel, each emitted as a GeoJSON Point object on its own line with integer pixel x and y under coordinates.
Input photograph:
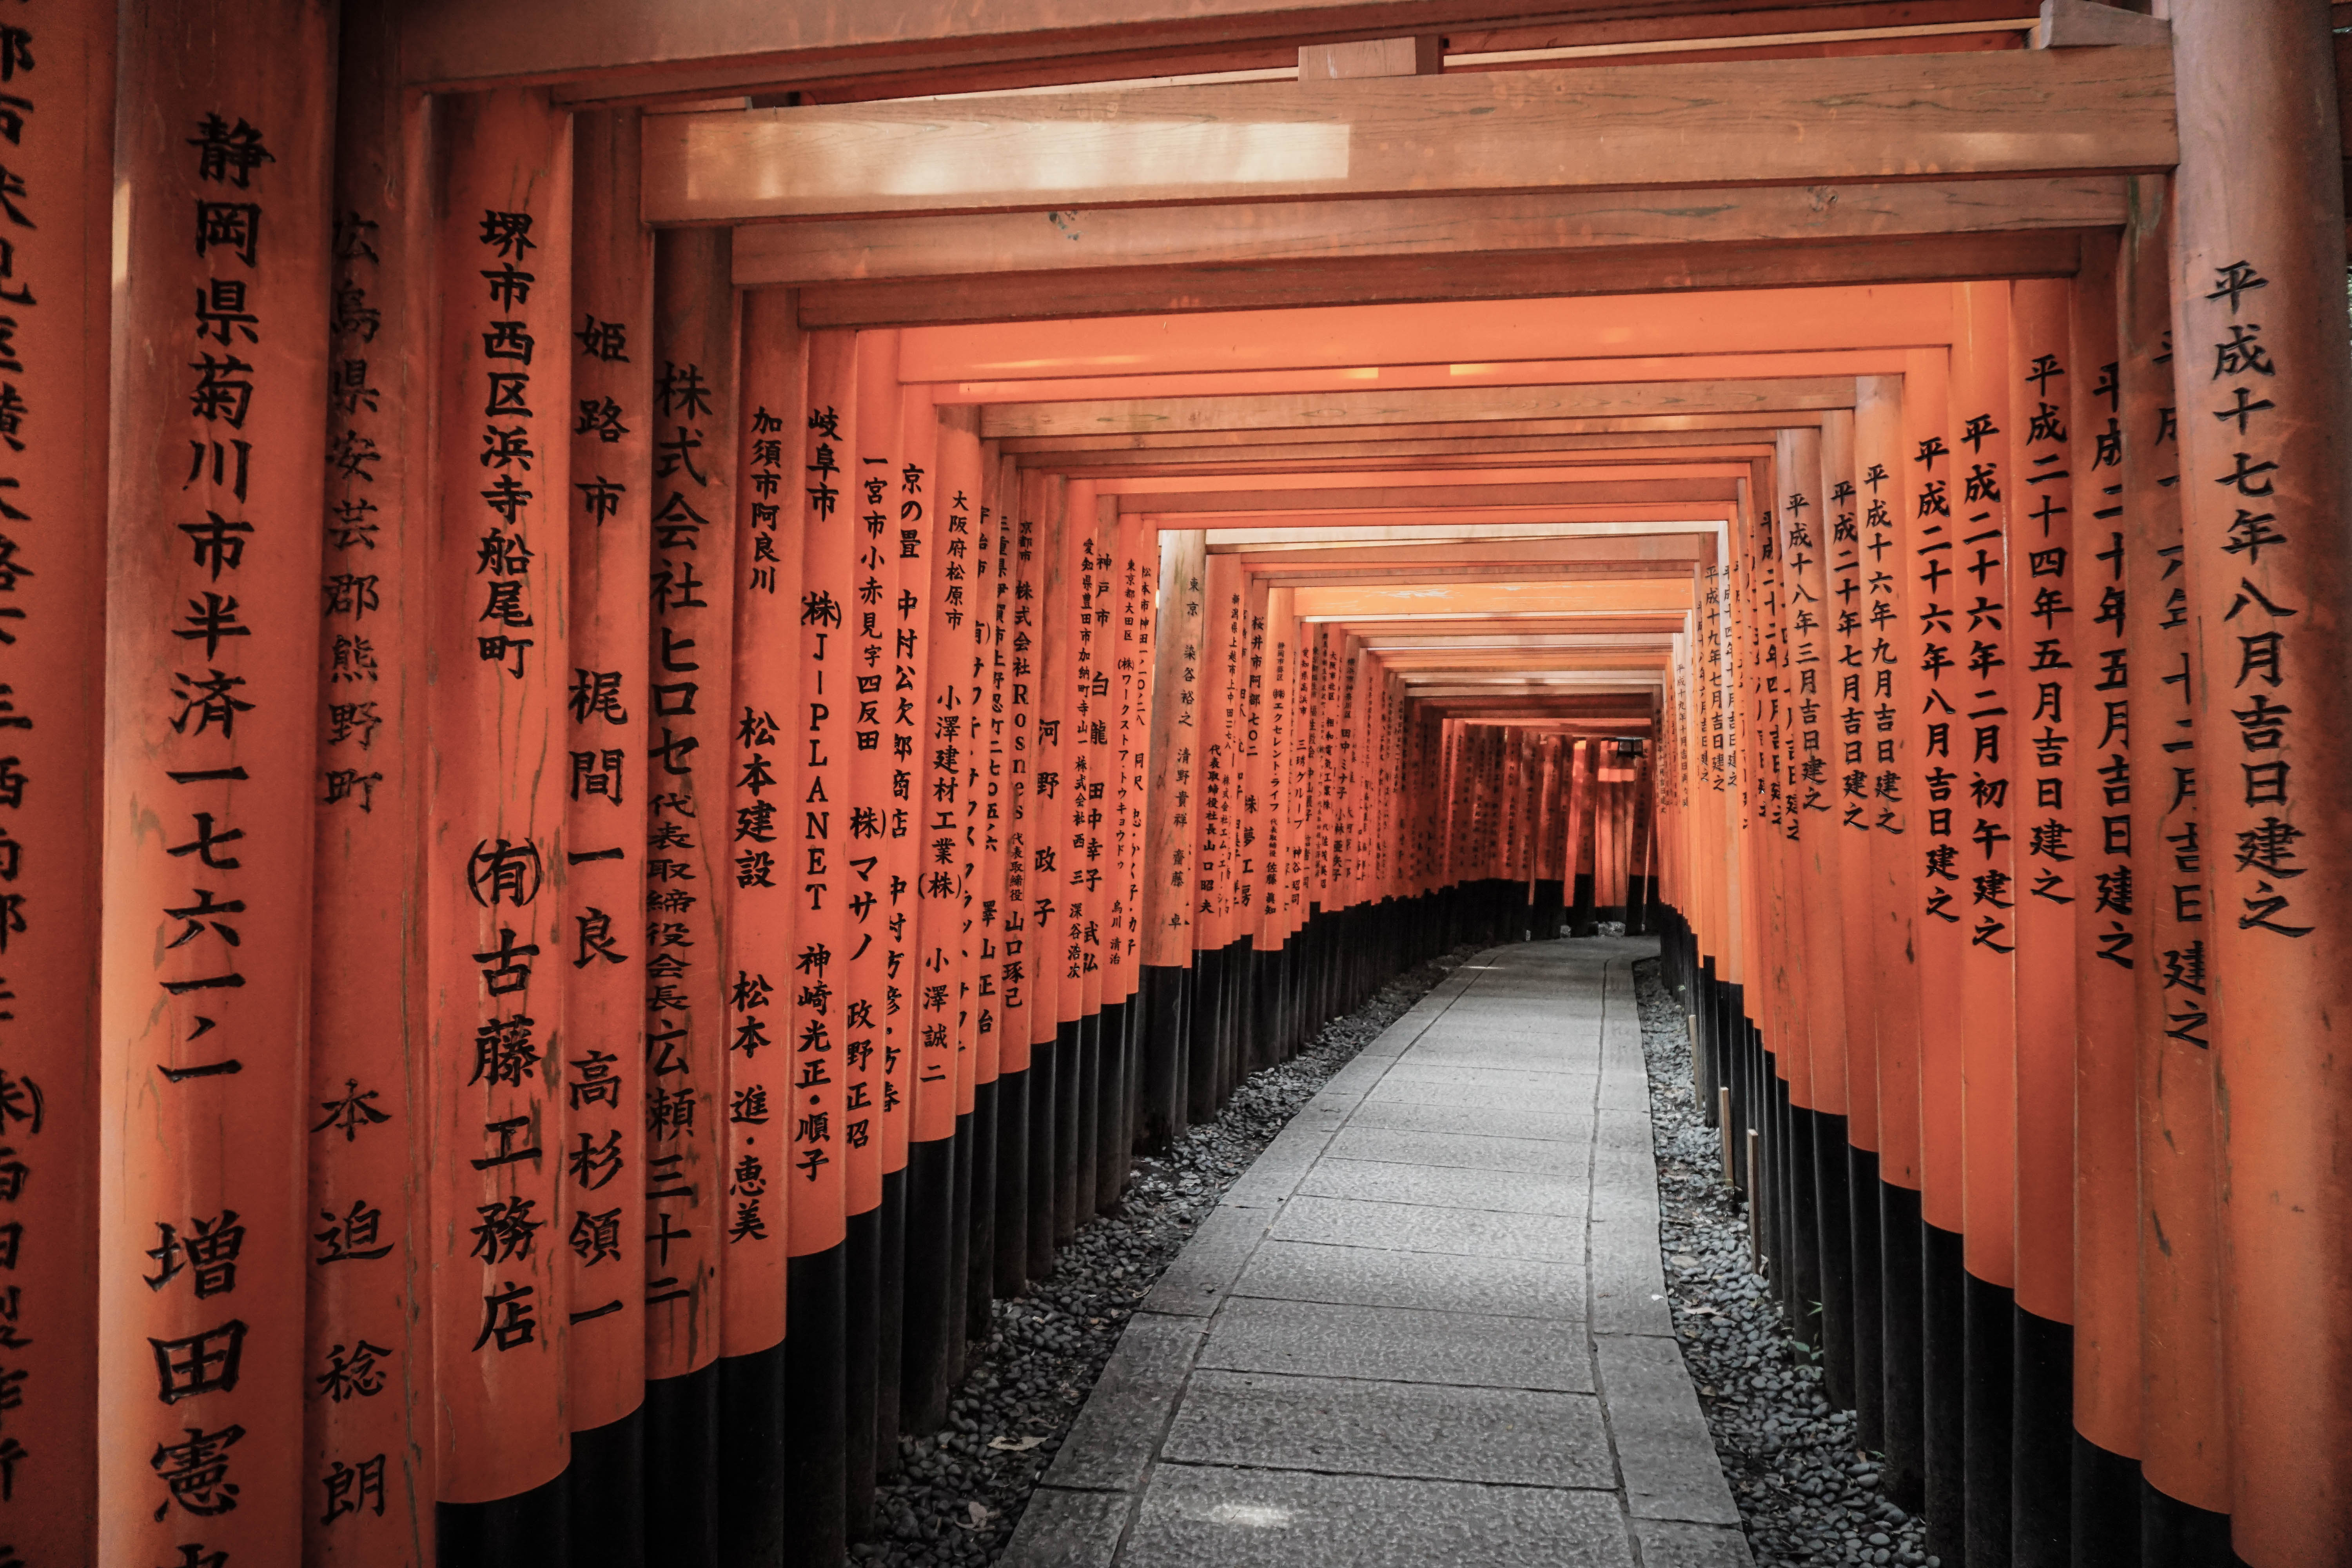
{"type": "Point", "coordinates": [1225, 235]}
{"type": "Point", "coordinates": [1345, 410]}
{"type": "Point", "coordinates": [1414, 279]}
{"type": "Point", "coordinates": [1799, 123]}
{"type": "Point", "coordinates": [1433, 441]}
{"type": "Point", "coordinates": [2088, 24]}
{"type": "Point", "coordinates": [1421, 55]}
{"type": "Point", "coordinates": [1468, 497]}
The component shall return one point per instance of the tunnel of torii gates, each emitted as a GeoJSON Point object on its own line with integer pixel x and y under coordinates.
{"type": "Point", "coordinates": [658, 702]}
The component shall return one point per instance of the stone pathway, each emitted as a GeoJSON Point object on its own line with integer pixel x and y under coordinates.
{"type": "Point", "coordinates": [1427, 1327]}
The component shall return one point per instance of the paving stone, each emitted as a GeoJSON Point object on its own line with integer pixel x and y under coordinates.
{"type": "Point", "coordinates": [1068, 1529]}
{"type": "Point", "coordinates": [1556, 1095]}
{"type": "Point", "coordinates": [1112, 1442]}
{"type": "Point", "coordinates": [1670, 1543]}
{"type": "Point", "coordinates": [1469, 1151]}
{"type": "Point", "coordinates": [1447, 1186]}
{"type": "Point", "coordinates": [1397, 1344]}
{"type": "Point", "coordinates": [1196, 1281]}
{"type": "Point", "coordinates": [1663, 1445]}
{"type": "Point", "coordinates": [1568, 1127]}
{"type": "Point", "coordinates": [1194, 1517]}
{"type": "Point", "coordinates": [1629, 1279]}
{"type": "Point", "coordinates": [1422, 1227]}
{"type": "Point", "coordinates": [1510, 1287]}
{"type": "Point", "coordinates": [1510, 1436]}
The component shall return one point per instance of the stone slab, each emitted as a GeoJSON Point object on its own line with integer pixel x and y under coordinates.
{"type": "Point", "coordinates": [1197, 1281]}
{"type": "Point", "coordinates": [1568, 1127]}
{"type": "Point", "coordinates": [1663, 1450]}
{"type": "Point", "coordinates": [1111, 1444]}
{"type": "Point", "coordinates": [1068, 1529]}
{"type": "Point", "coordinates": [1194, 1517]}
{"type": "Point", "coordinates": [1669, 1543]}
{"type": "Point", "coordinates": [1398, 1345]}
{"type": "Point", "coordinates": [1559, 1096]}
{"type": "Point", "coordinates": [1422, 1227]}
{"type": "Point", "coordinates": [1447, 1186]}
{"type": "Point", "coordinates": [1467, 1151]}
{"type": "Point", "coordinates": [1507, 1287]}
{"type": "Point", "coordinates": [1511, 1437]}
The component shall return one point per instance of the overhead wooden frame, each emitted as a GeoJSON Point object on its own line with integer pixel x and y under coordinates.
{"type": "Point", "coordinates": [1784, 123]}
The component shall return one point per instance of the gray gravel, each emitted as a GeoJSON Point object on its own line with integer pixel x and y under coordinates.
{"type": "Point", "coordinates": [960, 1492]}
{"type": "Point", "coordinates": [1806, 1493]}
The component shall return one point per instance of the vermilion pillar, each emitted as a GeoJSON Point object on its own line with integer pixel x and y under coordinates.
{"type": "Point", "coordinates": [212, 558]}
{"type": "Point", "coordinates": [367, 994]}
{"type": "Point", "coordinates": [2163, 896]}
{"type": "Point", "coordinates": [496, 879]}
{"type": "Point", "coordinates": [2263, 383]}
{"type": "Point", "coordinates": [52, 611]}
{"type": "Point", "coordinates": [606, 781]}
{"type": "Point", "coordinates": [2106, 1132]}
{"type": "Point", "coordinates": [760, 823]}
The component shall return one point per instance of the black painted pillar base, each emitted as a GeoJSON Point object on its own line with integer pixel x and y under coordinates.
{"type": "Point", "coordinates": [891, 1357]}
{"type": "Point", "coordinates": [980, 1276]}
{"type": "Point", "coordinates": [749, 1471]}
{"type": "Point", "coordinates": [605, 1495]}
{"type": "Point", "coordinates": [1988, 1318]}
{"type": "Point", "coordinates": [1113, 1135]}
{"type": "Point", "coordinates": [2042, 1395]}
{"type": "Point", "coordinates": [1834, 1239]}
{"type": "Point", "coordinates": [526, 1531]}
{"type": "Point", "coordinates": [681, 1473]}
{"type": "Point", "coordinates": [2103, 1507]}
{"type": "Point", "coordinates": [1072, 1191]}
{"type": "Point", "coordinates": [2174, 1534]}
{"type": "Point", "coordinates": [816, 1482]}
{"type": "Point", "coordinates": [1903, 1348]}
{"type": "Point", "coordinates": [929, 1253]}
{"type": "Point", "coordinates": [861, 1365]}
{"type": "Point", "coordinates": [1869, 1303]}
{"type": "Point", "coordinates": [1943, 1298]}
{"type": "Point", "coordinates": [962, 1224]}
{"type": "Point", "coordinates": [1010, 1220]}
{"type": "Point", "coordinates": [1046, 1066]}
{"type": "Point", "coordinates": [1161, 997]}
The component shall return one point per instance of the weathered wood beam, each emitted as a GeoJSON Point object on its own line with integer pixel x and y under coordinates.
{"type": "Point", "coordinates": [631, 47]}
{"type": "Point", "coordinates": [844, 250]}
{"type": "Point", "coordinates": [1475, 335]}
{"type": "Point", "coordinates": [1541, 572]}
{"type": "Point", "coordinates": [1429, 440]}
{"type": "Point", "coordinates": [1626, 514]}
{"type": "Point", "coordinates": [1459, 498]}
{"type": "Point", "coordinates": [1346, 410]}
{"type": "Point", "coordinates": [1798, 122]}
{"type": "Point", "coordinates": [1472, 482]}
{"type": "Point", "coordinates": [1680, 550]}
{"type": "Point", "coordinates": [1415, 279]}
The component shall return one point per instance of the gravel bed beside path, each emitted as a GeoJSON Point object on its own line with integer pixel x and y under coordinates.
{"type": "Point", "coordinates": [1805, 1492]}
{"type": "Point", "coordinates": [960, 1492]}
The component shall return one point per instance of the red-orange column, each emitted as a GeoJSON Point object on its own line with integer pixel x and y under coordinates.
{"type": "Point", "coordinates": [495, 881]}
{"type": "Point", "coordinates": [1847, 709]}
{"type": "Point", "coordinates": [761, 822]}
{"type": "Point", "coordinates": [2261, 364]}
{"type": "Point", "coordinates": [2105, 1089]}
{"type": "Point", "coordinates": [1889, 751]}
{"type": "Point", "coordinates": [2045, 624]}
{"type": "Point", "coordinates": [1016, 629]}
{"type": "Point", "coordinates": [992, 784]}
{"type": "Point", "coordinates": [1050, 660]}
{"type": "Point", "coordinates": [52, 561]}
{"type": "Point", "coordinates": [1817, 916]}
{"type": "Point", "coordinates": [222, 242]}
{"type": "Point", "coordinates": [602, 975]}
{"type": "Point", "coordinates": [1929, 546]}
{"type": "Point", "coordinates": [824, 699]}
{"type": "Point", "coordinates": [2163, 895]}
{"type": "Point", "coordinates": [690, 859]}
{"type": "Point", "coordinates": [1170, 825]}
{"type": "Point", "coordinates": [874, 1087]}
{"type": "Point", "coordinates": [366, 1335]}
{"type": "Point", "coordinates": [936, 508]}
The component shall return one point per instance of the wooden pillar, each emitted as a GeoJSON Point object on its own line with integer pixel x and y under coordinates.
{"type": "Point", "coordinates": [764, 781]}
{"type": "Point", "coordinates": [816, 1150]}
{"type": "Point", "coordinates": [205, 1108]}
{"type": "Point", "coordinates": [606, 779]}
{"type": "Point", "coordinates": [2183, 1451]}
{"type": "Point", "coordinates": [2260, 364]}
{"type": "Point", "coordinates": [500, 590]}
{"type": "Point", "coordinates": [53, 616]}
{"type": "Point", "coordinates": [364, 1317]}
{"type": "Point", "coordinates": [2107, 1382]}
